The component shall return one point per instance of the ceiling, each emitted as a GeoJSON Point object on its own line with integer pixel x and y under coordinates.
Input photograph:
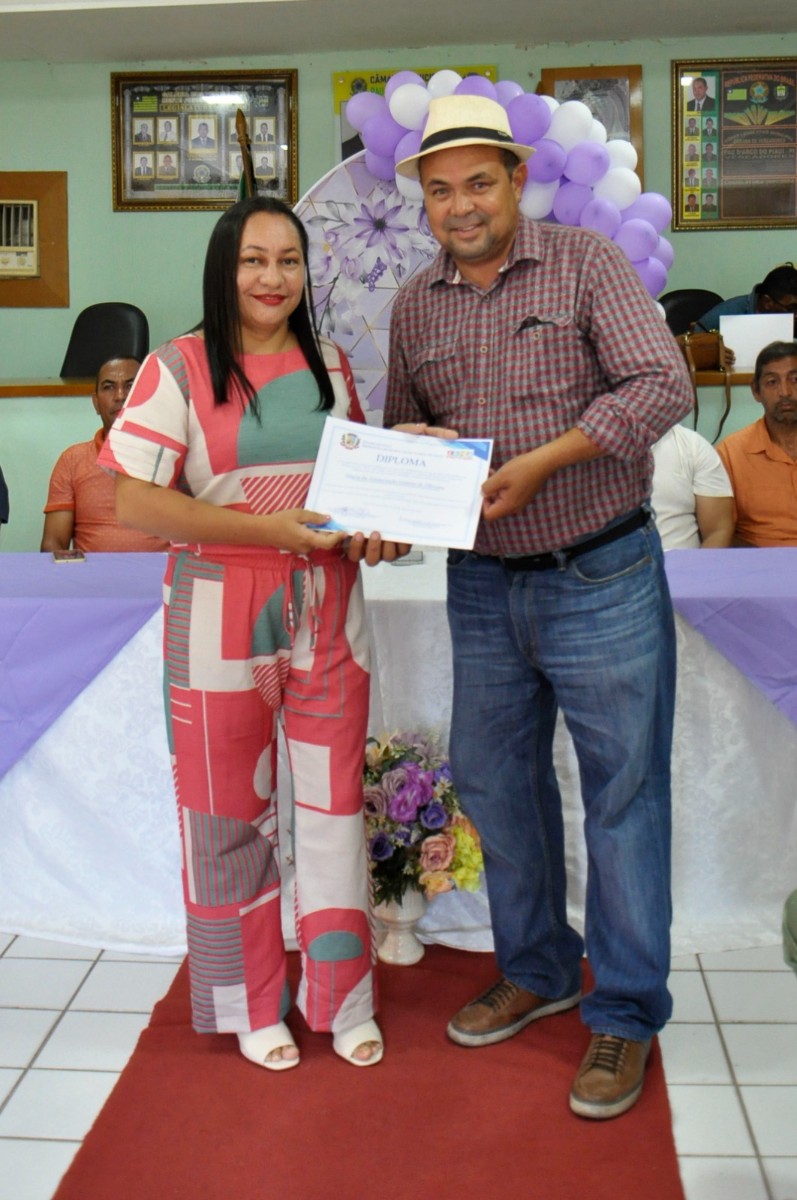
{"type": "Point", "coordinates": [126, 31]}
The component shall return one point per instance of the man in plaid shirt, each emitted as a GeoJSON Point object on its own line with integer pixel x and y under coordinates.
{"type": "Point", "coordinates": [542, 337]}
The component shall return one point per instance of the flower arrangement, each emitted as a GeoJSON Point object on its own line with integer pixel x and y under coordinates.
{"type": "Point", "coordinates": [417, 834]}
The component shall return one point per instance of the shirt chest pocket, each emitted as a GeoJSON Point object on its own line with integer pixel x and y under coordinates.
{"type": "Point", "coordinates": [546, 351]}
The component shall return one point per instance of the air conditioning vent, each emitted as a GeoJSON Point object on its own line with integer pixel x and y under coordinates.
{"type": "Point", "coordinates": [19, 239]}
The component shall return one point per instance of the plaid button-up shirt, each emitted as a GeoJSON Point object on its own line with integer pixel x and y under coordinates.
{"type": "Point", "coordinates": [565, 337]}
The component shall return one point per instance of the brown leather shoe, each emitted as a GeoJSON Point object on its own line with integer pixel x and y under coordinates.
{"type": "Point", "coordinates": [609, 1080]}
{"type": "Point", "coordinates": [501, 1012]}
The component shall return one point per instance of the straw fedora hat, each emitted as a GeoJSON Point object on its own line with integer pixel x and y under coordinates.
{"type": "Point", "coordinates": [463, 121]}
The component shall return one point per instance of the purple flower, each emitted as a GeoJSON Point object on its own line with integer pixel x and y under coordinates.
{"type": "Point", "coordinates": [443, 773]}
{"type": "Point", "coordinates": [380, 848]}
{"type": "Point", "coordinates": [434, 816]}
{"type": "Point", "coordinates": [422, 780]}
{"type": "Point", "coordinates": [403, 807]}
{"type": "Point", "coordinates": [424, 747]}
{"type": "Point", "coordinates": [393, 781]}
{"type": "Point", "coordinates": [417, 791]}
{"type": "Point", "coordinates": [379, 226]}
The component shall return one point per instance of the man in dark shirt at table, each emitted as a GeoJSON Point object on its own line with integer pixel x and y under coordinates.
{"type": "Point", "coordinates": [542, 337]}
{"type": "Point", "coordinates": [777, 293]}
{"type": "Point", "coordinates": [81, 506]}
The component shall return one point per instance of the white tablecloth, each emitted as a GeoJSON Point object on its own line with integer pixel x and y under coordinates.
{"type": "Point", "coordinates": [89, 850]}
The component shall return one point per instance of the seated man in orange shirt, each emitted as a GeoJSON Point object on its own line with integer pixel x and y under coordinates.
{"type": "Point", "coordinates": [761, 460]}
{"type": "Point", "coordinates": [80, 508]}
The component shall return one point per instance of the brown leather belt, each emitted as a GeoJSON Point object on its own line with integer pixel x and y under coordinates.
{"type": "Point", "coordinates": [557, 558]}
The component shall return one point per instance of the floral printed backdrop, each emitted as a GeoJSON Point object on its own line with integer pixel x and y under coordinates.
{"type": "Point", "coordinates": [366, 239]}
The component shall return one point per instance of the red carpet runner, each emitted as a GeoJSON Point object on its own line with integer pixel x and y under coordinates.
{"type": "Point", "coordinates": [190, 1119]}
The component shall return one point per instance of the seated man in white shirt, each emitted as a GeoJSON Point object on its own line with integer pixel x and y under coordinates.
{"type": "Point", "coordinates": [692, 495]}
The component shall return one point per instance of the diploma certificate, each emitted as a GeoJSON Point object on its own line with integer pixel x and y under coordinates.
{"type": "Point", "coordinates": [408, 488]}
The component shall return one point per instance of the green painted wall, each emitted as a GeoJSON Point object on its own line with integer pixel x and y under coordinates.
{"type": "Point", "coordinates": [56, 117]}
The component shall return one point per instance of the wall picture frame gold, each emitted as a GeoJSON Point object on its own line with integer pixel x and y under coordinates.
{"type": "Point", "coordinates": [734, 143]}
{"type": "Point", "coordinates": [174, 140]}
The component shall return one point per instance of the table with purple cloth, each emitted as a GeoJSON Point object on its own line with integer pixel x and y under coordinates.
{"type": "Point", "coordinates": [89, 851]}
{"type": "Point", "coordinates": [745, 603]}
{"type": "Point", "coordinates": [60, 624]}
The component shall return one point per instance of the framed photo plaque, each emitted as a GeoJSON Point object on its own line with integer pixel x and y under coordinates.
{"type": "Point", "coordinates": [734, 143]}
{"type": "Point", "coordinates": [175, 144]}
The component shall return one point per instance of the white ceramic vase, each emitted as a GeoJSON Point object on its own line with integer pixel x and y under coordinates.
{"type": "Point", "coordinates": [399, 943]}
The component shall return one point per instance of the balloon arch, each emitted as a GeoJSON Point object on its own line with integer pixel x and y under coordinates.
{"type": "Point", "coordinates": [368, 228]}
{"type": "Point", "coordinates": [576, 176]}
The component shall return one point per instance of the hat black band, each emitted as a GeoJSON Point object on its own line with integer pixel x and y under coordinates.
{"type": "Point", "coordinates": [461, 132]}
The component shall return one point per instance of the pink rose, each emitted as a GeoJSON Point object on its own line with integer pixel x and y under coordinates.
{"type": "Point", "coordinates": [437, 853]}
{"type": "Point", "coordinates": [393, 781]}
{"type": "Point", "coordinates": [374, 800]}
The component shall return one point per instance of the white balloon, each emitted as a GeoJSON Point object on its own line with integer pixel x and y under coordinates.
{"type": "Point", "coordinates": [570, 124]}
{"type": "Point", "coordinates": [409, 105]}
{"type": "Point", "coordinates": [597, 133]}
{"type": "Point", "coordinates": [622, 153]}
{"type": "Point", "coordinates": [536, 200]}
{"type": "Point", "coordinates": [410, 189]}
{"type": "Point", "coordinates": [620, 185]}
{"type": "Point", "coordinates": [660, 310]}
{"type": "Point", "coordinates": [443, 83]}
{"type": "Point", "coordinates": [549, 100]}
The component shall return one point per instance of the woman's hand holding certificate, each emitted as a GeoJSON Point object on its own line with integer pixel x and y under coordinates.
{"type": "Point", "coordinates": [414, 489]}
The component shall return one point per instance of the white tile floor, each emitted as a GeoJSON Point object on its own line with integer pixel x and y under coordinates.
{"type": "Point", "coordinates": [70, 1017]}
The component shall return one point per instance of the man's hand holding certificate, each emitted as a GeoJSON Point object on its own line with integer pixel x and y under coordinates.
{"type": "Point", "coordinates": [409, 488]}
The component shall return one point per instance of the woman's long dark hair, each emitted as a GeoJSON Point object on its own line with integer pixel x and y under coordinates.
{"type": "Point", "coordinates": [221, 323]}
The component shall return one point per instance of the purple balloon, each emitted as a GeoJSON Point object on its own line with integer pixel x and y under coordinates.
{"type": "Point", "coordinates": [506, 90]}
{"type": "Point", "coordinates": [395, 81]}
{"type": "Point", "coordinates": [529, 118]}
{"type": "Point", "coordinates": [601, 215]}
{"type": "Point", "coordinates": [476, 85]}
{"type": "Point", "coordinates": [653, 274]}
{"type": "Point", "coordinates": [570, 201]}
{"type": "Point", "coordinates": [362, 106]}
{"type": "Point", "coordinates": [650, 207]}
{"type": "Point", "coordinates": [664, 253]}
{"type": "Point", "coordinates": [379, 166]}
{"type": "Point", "coordinates": [637, 239]}
{"type": "Point", "coordinates": [381, 134]}
{"type": "Point", "coordinates": [408, 145]}
{"type": "Point", "coordinates": [587, 162]}
{"type": "Point", "coordinates": [547, 161]}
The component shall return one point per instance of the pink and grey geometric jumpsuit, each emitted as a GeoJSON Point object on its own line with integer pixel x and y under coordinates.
{"type": "Point", "coordinates": [253, 638]}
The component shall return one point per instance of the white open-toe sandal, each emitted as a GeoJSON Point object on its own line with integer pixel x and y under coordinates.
{"type": "Point", "coordinates": [257, 1045]}
{"type": "Point", "coordinates": [347, 1041]}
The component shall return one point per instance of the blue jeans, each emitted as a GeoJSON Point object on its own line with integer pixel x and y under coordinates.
{"type": "Point", "coordinates": [596, 639]}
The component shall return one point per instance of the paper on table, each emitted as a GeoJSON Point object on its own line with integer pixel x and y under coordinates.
{"type": "Point", "coordinates": [423, 490]}
{"type": "Point", "coordinates": [748, 334]}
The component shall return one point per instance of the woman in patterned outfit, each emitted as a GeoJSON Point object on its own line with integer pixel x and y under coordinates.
{"type": "Point", "coordinates": [264, 622]}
